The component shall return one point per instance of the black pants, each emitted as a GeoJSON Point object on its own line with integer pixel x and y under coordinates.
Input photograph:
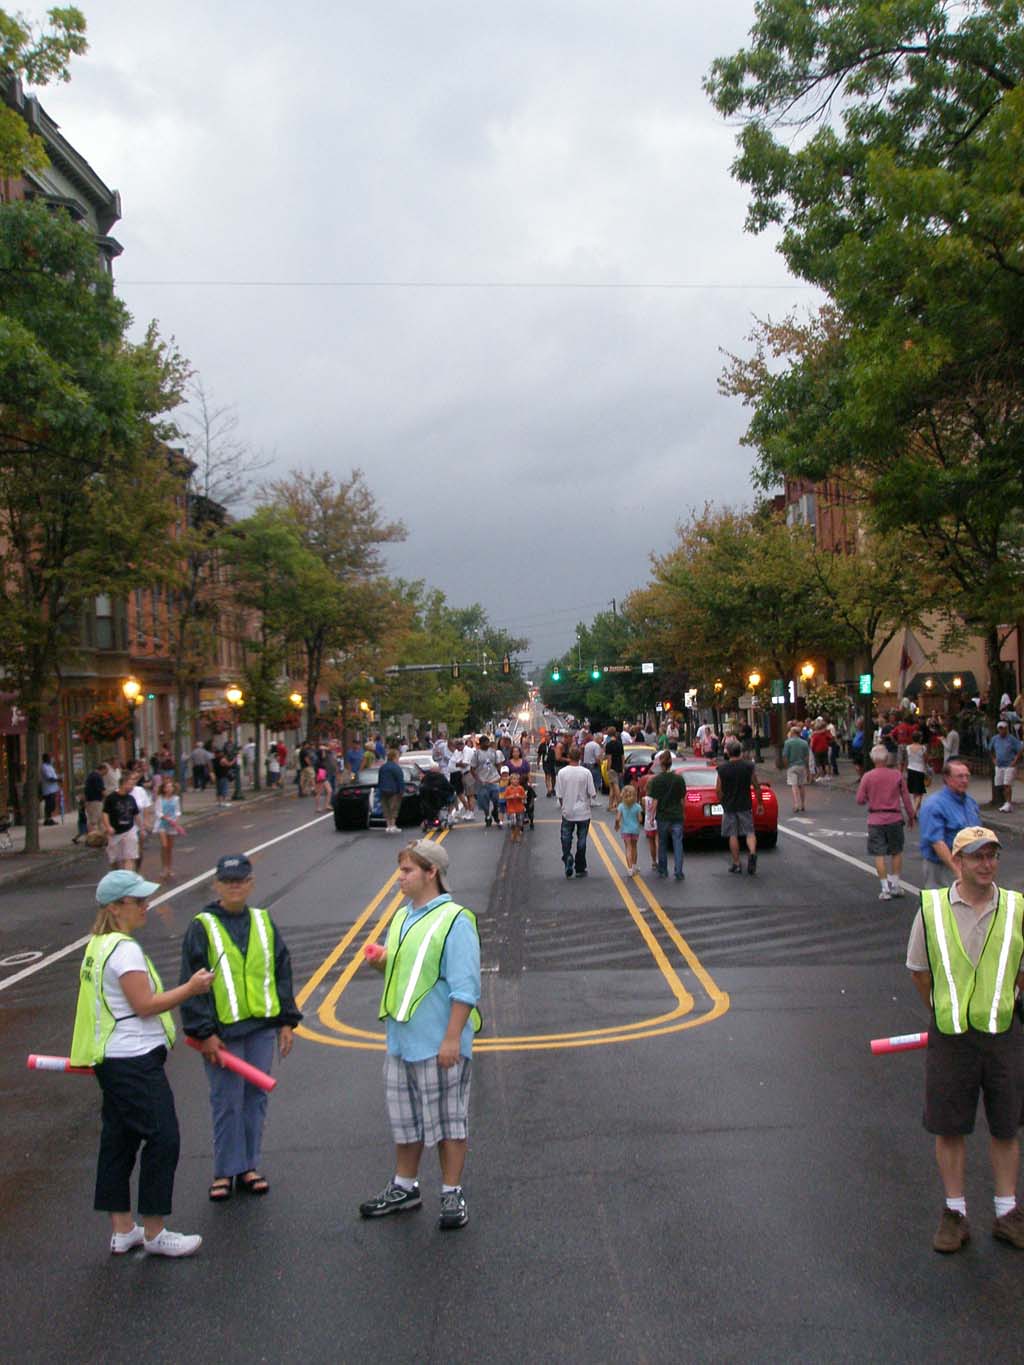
{"type": "Point", "coordinates": [138, 1110]}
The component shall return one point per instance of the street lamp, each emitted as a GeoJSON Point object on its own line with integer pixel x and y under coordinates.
{"type": "Point", "coordinates": [887, 685]}
{"type": "Point", "coordinates": [754, 680]}
{"type": "Point", "coordinates": [236, 700]}
{"type": "Point", "coordinates": [807, 671]}
{"type": "Point", "coordinates": [131, 687]}
{"type": "Point", "coordinates": [958, 682]}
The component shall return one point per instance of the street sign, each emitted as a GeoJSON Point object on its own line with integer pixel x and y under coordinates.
{"type": "Point", "coordinates": [778, 691]}
{"type": "Point", "coordinates": [619, 668]}
{"type": "Point", "coordinates": [647, 668]}
{"type": "Point", "coordinates": [865, 685]}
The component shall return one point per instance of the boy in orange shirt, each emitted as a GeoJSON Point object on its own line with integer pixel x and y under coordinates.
{"type": "Point", "coordinates": [515, 806]}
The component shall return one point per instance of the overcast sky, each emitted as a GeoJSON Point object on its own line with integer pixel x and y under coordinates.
{"type": "Point", "coordinates": [539, 439]}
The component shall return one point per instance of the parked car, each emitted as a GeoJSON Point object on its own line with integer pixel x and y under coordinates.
{"type": "Point", "coordinates": [357, 805]}
{"type": "Point", "coordinates": [702, 815]}
{"type": "Point", "coordinates": [421, 758]}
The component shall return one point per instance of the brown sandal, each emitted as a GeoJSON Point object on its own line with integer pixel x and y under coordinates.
{"type": "Point", "coordinates": [221, 1189]}
{"type": "Point", "coordinates": [253, 1184]}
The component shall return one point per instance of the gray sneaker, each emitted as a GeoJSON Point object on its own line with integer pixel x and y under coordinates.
{"type": "Point", "coordinates": [392, 1199]}
{"type": "Point", "coordinates": [454, 1213]}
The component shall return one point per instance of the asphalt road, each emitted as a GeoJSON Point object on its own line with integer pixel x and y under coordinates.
{"type": "Point", "coordinates": [682, 1148]}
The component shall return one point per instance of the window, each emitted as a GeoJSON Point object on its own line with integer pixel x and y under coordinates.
{"type": "Point", "coordinates": [104, 623]}
{"type": "Point", "coordinates": [140, 625]}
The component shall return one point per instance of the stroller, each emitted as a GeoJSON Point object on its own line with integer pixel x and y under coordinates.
{"type": "Point", "coordinates": [531, 801]}
{"type": "Point", "coordinates": [436, 798]}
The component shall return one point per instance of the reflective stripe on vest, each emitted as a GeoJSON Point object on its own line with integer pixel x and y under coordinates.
{"type": "Point", "coordinates": [94, 1020]}
{"type": "Point", "coordinates": [414, 962]}
{"type": "Point", "coordinates": [964, 995]}
{"type": "Point", "coordinates": [244, 987]}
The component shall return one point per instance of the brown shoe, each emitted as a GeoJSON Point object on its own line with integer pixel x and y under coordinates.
{"type": "Point", "coordinates": [1010, 1228]}
{"type": "Point", "coordinates": [953, 1232]}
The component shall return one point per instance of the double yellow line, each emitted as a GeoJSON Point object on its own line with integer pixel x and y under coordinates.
{"type": "Point", "coordinates": [681, 1016]}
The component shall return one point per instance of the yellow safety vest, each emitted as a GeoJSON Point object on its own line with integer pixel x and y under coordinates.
{"type": "Point", "coordinates": [414, 962]}
{"type": "Point", "coordinates": [964, 995]}
{"type": "Point", "coordinates": [94, 1021]}
{"type": "Point", "coordinates": [244, 987]}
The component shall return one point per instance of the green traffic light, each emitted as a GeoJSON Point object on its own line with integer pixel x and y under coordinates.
{"type": "Point", "coordinates": [595, 673]}
{"type": "Point", "coordinates": [555, 675]}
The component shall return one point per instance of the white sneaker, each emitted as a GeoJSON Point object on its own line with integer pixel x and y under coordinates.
{"type": "Point", "coordinates": [1006, 807]}
{"type": "Point", "coordinates": [168, 1243]}
{"type": "Point", "coordinates": [468, 817]}
{"type": "Point", "coordinates": [885, 895]}
{"type": "Point", "coordinates": [120, 1242]}
{"type": "Point", "coordinates": [895, 887]}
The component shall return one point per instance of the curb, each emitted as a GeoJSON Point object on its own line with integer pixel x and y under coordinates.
{"type": "Point", "coordinates": [24, 867]}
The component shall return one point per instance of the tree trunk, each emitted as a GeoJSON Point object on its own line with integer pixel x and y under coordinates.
{"type": "Point", "coordinates": [181, 693]}
{"type": "Point", "coordinates": [995, 691]}
{"type": "Point", "coordinates": [257, 760]}
{"type": "Point", "coordinates": [30, 794]}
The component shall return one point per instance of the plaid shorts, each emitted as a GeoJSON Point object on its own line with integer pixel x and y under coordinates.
{"type": "Point", "coordinates": [426, 1102]}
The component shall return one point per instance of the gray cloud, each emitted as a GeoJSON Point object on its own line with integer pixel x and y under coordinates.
{"type": "Point", "coordinates": [540, 143]}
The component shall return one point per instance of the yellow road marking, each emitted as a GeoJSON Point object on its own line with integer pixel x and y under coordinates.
{"type": "Point", "coordinates": [672, 1021]}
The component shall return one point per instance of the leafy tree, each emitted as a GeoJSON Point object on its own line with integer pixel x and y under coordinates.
{"type": "Point", "coordinates": [269, 568]}
{"type": "Point", "coordinates": [888, 142]}
{"type": "Point", "coordinates": [611, 638]}
{"type": "Point", "coordinates": [347, 606]}
{"type": "Point", "coordinates": [37, 57]}
{"type": "Point", "coordinates": [86, 489]}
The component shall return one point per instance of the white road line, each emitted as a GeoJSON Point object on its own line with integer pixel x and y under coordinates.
{"type": "Point", "coordinates": [838, 853]}
{"type": "Point", "coordinates": [157, 900]}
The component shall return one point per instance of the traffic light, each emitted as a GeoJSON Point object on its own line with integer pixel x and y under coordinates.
{"type": "Point", "coordinates": [455, 669]}
{"type": "Point", "coordinates": [506, 664]}
{"type": "Point", "coordinates": [595, 673]}
{"type": "Point", "coordinates": [556, 675]}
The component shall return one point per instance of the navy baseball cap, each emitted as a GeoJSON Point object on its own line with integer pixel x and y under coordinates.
{"type": "Point", "coordinates": [234, 867]}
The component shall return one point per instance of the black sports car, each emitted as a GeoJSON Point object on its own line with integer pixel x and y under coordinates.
{"type": "Point", "coordinates": [357, 805]}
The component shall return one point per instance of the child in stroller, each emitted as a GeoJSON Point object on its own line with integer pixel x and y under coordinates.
{"type": "Point", "coordinates": [436, 799]}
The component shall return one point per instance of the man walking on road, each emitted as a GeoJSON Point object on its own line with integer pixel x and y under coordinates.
{"type": "Point", "coordinates": [484, 763]}
{"type": "Point", "coordinates": [736, 777]}
{"type": "Point", "coordinates": [964, 954]}
{"type": "Point", "coordinates": [615, 754]}
{"type": "Point", "coordinates": [668, 792]}
{"type": "Point", "coordinates": [574, 787]}
{"type": "Point", "coordinates": [882, 790]}
{"type": "Point", "coordinates": [942, 817]}
{"type": "Point", "coordinates": [796, 755]}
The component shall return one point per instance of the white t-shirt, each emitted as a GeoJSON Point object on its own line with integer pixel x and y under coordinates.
{"type": "Point", "coordinates": [574, 787]}
{"type": "Point", "coordinates": [132, 1036]}
{"type": "Point", "coordinates": [592, 753]}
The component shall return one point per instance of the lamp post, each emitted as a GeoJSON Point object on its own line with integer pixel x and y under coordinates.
{"type": "Point", "coordinates": [296, 700]}
{"type": "Point", "coordinates": [719, 687]}
{"type": "Point", "coordinates": [236, 700]}
{"type": "Point", "coordinates": [753, 683]}
{"type": "Point", "coordinates": [131, 687]}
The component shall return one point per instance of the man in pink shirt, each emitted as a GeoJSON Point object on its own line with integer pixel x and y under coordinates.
{"type": "Point", "coordinates": [882, 789]}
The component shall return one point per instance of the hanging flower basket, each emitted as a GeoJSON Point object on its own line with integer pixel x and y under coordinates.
{"type": "Point", "coordinates": [105, 722]}
{"type": "Point", "coordinates": [218, 722]}
{"type": "Point", "coordinates": [289, 720]}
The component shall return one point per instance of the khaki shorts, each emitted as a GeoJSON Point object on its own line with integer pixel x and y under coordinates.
{"type": "Point", "coordinates": [796, 776]}
{"type": "Point", "coordinates": [123, 848]}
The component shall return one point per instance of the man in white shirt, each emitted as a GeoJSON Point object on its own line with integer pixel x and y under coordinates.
{"type": "Point", "coordinates": [574, 787]}
{"type": "Point", "coordinates": [145, 820]}
{"type": "Point", "coordinates": [593, 752]}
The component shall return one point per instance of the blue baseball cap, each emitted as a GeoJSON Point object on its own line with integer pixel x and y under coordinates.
{"type": "Point", "coordinates": [234, 867]}
{"type": "Point", "coordinates": [116, 885]}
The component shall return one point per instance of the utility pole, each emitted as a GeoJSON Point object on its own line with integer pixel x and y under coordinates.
{"type": "Point", "coordinates": [614, 606]}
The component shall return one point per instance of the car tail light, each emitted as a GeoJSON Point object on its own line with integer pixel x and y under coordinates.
{"type": "Point", "coordinates": [766, 791]}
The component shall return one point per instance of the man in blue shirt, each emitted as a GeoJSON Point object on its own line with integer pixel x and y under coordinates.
{"type": "Point", "coordinates": [942, 818]}
{"type": "Point", "coordinates": [429, 1004]}
{"type": "Point", "coordinates": [1005, 749]}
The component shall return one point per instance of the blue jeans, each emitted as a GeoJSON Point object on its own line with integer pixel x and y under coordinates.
{"type": "Point", "coordinates": [238, 1108]}
{"type": "Point", "coordinates": [667, 828]}
{"type": "Point", "coordinates": [223, 788]}
{"type": "Point", "coordinates": [486, 797]}
{"type": "Point", "coordinates": [582, 828]}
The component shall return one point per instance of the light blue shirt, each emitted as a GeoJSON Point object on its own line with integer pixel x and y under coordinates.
{"type": "Point", "coordinates": [1005, 749]}
{"type": "Point", "coordinates": [942, 818]}
{"type": "Point", "coordinates": [421, 1036]}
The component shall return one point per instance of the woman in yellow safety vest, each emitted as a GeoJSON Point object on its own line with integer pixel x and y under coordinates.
{"type": "Point", "coordinates": [123, 1029]}
{"type": "Point", "coordinates": [252, 1004]}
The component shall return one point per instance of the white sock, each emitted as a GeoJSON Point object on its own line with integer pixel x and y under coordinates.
{"type": "Point", "coordinates": [885, 884]}
{"type": "Point", "coordinates": [405, 1182]}
{"type": "Point", "coordinates": [1005, 1203]}
{"type": "Point", "coordinates": [450, 1189]}
{"type": "Point", "coordinates": [894, 883]}
{"type": "Point", "coordinates": [958, 1205]}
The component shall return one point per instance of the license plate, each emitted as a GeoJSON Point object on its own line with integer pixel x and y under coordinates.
{"type": "Point", "coordinates": [712, 810]}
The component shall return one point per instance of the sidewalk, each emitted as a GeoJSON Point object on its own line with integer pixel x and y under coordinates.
{"type": "Point", "coordinates": [57, 850]}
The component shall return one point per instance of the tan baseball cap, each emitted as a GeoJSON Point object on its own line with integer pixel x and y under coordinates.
{"type": "Point", "coordinates": [434, 854]}
{"type": "Point", "coordinates": [973, 839]}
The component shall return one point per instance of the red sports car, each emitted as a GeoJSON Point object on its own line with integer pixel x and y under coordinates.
{"type": "Point", "coordinates": [702, 815]}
